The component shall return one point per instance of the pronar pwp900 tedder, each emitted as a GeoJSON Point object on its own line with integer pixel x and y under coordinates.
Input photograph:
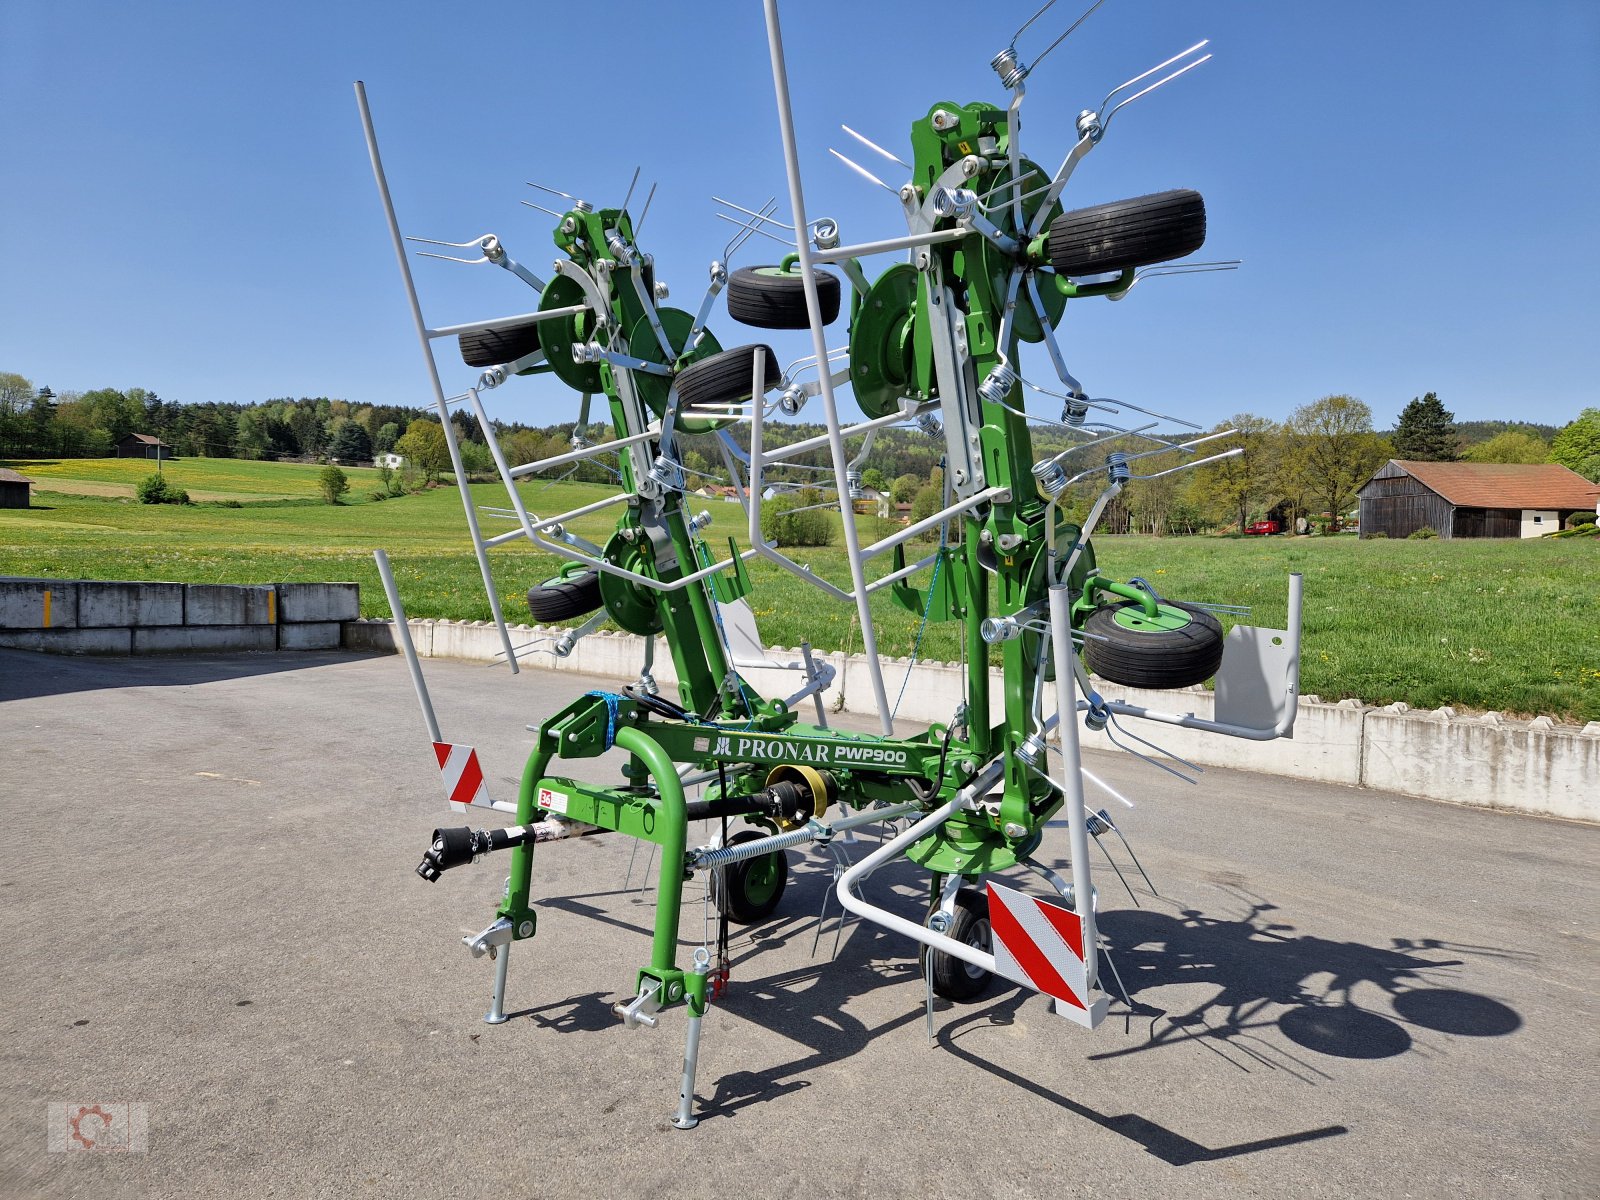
{"type": "Point", "coordinates": [989, 263]}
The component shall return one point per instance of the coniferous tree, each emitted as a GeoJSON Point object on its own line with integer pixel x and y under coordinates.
{"type": "Point", "coordinates": [1426, 432]}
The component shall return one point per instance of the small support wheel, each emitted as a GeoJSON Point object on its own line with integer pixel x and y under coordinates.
{"type": "Point", "coordinates": [773, 298]}
{"type": "Point", "coordinates": [952, 978]}
{"type": "Point", "coordinates": [725, 378]}
{"type": "Point", "coordinates": [565, 597]}
{"type": "Point", "coordinates": [1179, 647]}
{"type": "Point", "coordinates": [749, 890]}
{"type": "Point", "coordinates": [1128, 233]}
{"type": "Point", "coordinates": [492, 347]}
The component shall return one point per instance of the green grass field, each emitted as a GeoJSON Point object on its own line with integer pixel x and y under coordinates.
{"type": "Point", "coordinates": [202, 478]}
{"type": "Point", "coordinates": [1501, 625]}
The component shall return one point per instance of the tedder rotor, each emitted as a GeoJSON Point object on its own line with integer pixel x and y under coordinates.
{"type": "Point", "coordinates": [989, 263]}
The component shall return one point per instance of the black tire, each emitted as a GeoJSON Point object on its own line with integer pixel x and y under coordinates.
{"type": "Point", "coordinates": [1153, 658]}
{"type": "Point", "coordinates": [491, 347]}
{"type": "Point", "coordinates": [563, 599]}
{"type": "Point", "coordinates": [725, 378]}
{"type": "Point", "coordinates": [771, 298]}
{"type": "Point", "coordinates": [749, 890]}
{"type": "Point", "coordinates": [1128, 233]}
{"type": "Point", "coordinates": [952, 978]}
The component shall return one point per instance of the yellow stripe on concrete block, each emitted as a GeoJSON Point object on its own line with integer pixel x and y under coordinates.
{"type": "Point", "coordinates": [47, 608]}
{"type": "Point", "coordinates": [272, 607]}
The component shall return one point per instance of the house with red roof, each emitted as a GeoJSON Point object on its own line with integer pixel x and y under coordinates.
{"type": "Point", "coordinates": [1464, 499]}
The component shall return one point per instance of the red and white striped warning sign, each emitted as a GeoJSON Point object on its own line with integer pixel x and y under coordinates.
{"type": "Point", "coordinates": [463, 777]}
{"type": "Point", "coordinates": [1040, 946]}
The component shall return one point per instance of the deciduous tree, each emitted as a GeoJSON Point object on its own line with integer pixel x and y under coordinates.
{"type": "Point", "coordinates": [1578, 445]}
{"type": "Point", "coordinates": [1333, 450]}
{"type": "Point", "coordinates": [425, 448]}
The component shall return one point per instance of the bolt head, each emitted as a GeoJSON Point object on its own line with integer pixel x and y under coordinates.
{"type": "Point", "coordinates": [525, 930]}
{"type": "Point", "coordinates": [1014, 831]}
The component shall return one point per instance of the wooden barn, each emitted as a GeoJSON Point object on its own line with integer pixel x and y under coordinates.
{"type": "Point", "coordinates": [142, 445]}
{"type": "Point", "coordinates": [14, 489]}
{"type": "Point", "coordinates": [1461, 499]}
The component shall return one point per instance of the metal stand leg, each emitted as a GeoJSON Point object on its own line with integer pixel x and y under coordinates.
{"type": "Point", "coordinates": [685, 1118]}
{"type": "Point", "coordinates": [497, 1006]}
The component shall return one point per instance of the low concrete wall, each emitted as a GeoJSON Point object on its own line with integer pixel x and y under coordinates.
{"type": "Point", "coordinates": [1485, 760]}
{"type": "Point", "coordinates": [99, 617]}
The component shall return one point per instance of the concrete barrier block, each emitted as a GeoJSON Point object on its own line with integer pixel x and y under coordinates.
{"type": "Point", "coordinates": [1529, 766]}
{"type": "Point", "coordinates": [38, 604]}
{"type": "Point", "coordinates": [202, 639]}
{"type": "Point", "coordinates": [318, 602]}
{"type": "Point", "coordinates": [473, 641]}
{"type": "Point", "coordinates": [129, 604]}
{"type": "Point", "coordinates": [68, 641]}
{"type": "Point", "coordinates": [227, 604]}
{"type": "Point", "coordinates": [369, 635]}
{"type": "Point", "coordinates": [310, 635]}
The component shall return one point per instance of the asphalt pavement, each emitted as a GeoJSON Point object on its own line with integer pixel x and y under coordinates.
{"type": "Point", "coordinates": [210, 911]}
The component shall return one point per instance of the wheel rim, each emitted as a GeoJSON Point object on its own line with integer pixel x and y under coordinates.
{"type": "Point", "coordinates": [1167, 619]}
{"type": "Point", "coordinates": [979, 938]}
{"type": "Point", "coordinates": [761, 881]}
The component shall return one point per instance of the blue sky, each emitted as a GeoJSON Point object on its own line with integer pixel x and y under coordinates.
{"type": "Point", "coordinates": [188, 206]}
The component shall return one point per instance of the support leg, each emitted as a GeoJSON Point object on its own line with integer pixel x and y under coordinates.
{"type": "Point", "coordinates": [497, 1005]}
{"type": "Point", "coordinates": [695, 997]}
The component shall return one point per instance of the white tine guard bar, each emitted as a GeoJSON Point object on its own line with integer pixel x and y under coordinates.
{"type": "Point", "coordinates": [881, 916]}
{"type": "Point", "coordinates": [433, 368]}
{"type": "Point", "coordinates": [797, 204]}
{"type": "Point", "coordinates": [402, 633]}
{"type": "Point", "coordinates": [1071, 781]}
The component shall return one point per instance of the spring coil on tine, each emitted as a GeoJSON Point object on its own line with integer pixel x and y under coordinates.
{"type": "Point", "coordinates": [1051, 477]}
{"type": "Point", "coordinates": [995, 630]}
{"type": "Point", "coordinates": [1074, 411]}
{"type": "Point", "coordinates": [853, 484]}
{"type": "Point", "coordinates": [954, 202]}
{"type": "Point", "coordinates": [1117, 467]}
{"type": "Point", "coordinates": [930, 424]}
{"type": "Point", "coordinates": [997, 385]}
{"type": "Point", "coordinates": [1009, 67]}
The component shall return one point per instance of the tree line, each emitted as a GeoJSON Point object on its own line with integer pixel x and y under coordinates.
{"type": "Point", "coordinates": [1309, 464]}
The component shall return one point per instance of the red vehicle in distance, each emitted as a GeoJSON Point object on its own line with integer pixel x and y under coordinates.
{"type": "Point", "coordinates": [1263, 527]}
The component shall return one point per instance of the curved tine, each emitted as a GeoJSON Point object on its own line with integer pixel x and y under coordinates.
{"type": "Point", "coordinates": [1112, 738]}
{"type": "Point", "coordinates": [753, 228]}
{"type": "Point", "coordinates": [1100, 441]}
{"type": "Point", "coordinates": [872, 145]}
{"type": "Point", "coordinates": [863, 172]}
{"type": "Point", "coordinates": [1177, 758]}
{"type": "Point", "coordinates": [451, 258]}
{"type": "Point", "coordinates": [552, 191]}
{"type": "Point", "coordinates": [767, 209]}
{"type": "Point", "coordinates": [541, 208]}
{"type": "Point", "coordinates": [1146, 75]}
{"type": "Point", "coordinates": [1186, 447]}
{"type": "Point", "coordinates": [1070, 28]}
{"type": "Point", "coordinates": [1102, 403]}
{"type": "Point", "coordinates": [1010, 183]}
{"type": "Point", "coordinates": [1161, 416]}
{"type": "Point", "coordinates": [644, 212]}
{"type": "Point", "coordinates": [1199, 462]}
{"type": "Point", "coordinates": [1105, 122]}
{"type": "Point", "coordinates": [1049, 4]}
{"type": "Point", "coordinates": [477, 241]}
